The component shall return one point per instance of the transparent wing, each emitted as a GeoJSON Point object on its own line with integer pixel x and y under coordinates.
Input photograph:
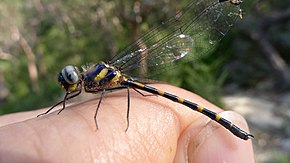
{"type": "Point", "coordinates": [190, 34]}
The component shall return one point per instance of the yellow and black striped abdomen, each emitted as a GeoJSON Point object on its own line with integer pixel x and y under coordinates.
{"type": "Point", "coordinates": [214, 116]}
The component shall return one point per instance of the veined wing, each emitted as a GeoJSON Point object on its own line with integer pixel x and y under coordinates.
{"type": "Point", "coordinates": [196, 29]}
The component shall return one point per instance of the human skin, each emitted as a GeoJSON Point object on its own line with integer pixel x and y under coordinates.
{"type": "Point", "coordinates": [159, 131]}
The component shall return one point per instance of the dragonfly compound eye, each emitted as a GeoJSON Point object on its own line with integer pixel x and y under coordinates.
{"type": "Point", "coordinates": [69, 77]}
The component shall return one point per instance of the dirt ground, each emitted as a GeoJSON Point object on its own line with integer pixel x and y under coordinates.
{"type": "Point", "coordinates": [268, 116]}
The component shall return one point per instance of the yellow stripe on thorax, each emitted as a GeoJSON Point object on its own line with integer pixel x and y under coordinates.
{"type": "Point", "coordinates": [116, 78]}
{"type": "Point", "coordinates": [102, 74]}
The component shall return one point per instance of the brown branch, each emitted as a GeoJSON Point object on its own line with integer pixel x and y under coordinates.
{"type": "Point", "coordinates": [132, 19]}
{"type": "Point", "coordinates": [258, 33]}
{"type": "Point", "coordinates": [39, 7]}
{"type": "Point", "coordinates": [5, 56]}
{"type": "Point", "coordinates": [32, 68]}
{"type": "Point", "coordinates": [279, 66]}
{"type": "Point", "coordinates": [107, 31]}
{"type": "Point", "coordinates": [124, 15]}
{"type": "Point", "coordinates": [276, 17]}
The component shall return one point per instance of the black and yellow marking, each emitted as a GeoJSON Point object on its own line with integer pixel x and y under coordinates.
{"type": "Point", "coordinates": [214, 116]}
{"type": "Point", "coordinates": [102, 74]}
{"type": "Point", "coordinates": [180, 100]}
{"type": "Point", "coordinates": [72, 87]}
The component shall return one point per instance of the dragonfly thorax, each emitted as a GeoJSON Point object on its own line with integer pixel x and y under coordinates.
{"type": "Point", "coordinates": [101, 76]}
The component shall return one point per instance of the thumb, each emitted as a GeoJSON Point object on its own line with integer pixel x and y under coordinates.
{"type": "Point", "coordinates": [214, 143]}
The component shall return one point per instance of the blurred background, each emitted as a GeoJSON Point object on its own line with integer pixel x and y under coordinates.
{"type": "Point", "coordinates": [247, 72]}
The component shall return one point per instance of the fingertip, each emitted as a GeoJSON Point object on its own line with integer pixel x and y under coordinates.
{"type": "Point", "coordinates": [211, 142]}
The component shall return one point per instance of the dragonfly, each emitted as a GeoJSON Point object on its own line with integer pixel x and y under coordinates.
{"type": "Point", "coordinates": [187, 36]}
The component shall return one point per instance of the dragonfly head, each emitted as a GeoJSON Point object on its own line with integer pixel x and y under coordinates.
{"type": "Point", "coordinates": [70, 78]}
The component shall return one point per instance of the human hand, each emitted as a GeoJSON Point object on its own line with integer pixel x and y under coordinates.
{"type": "Point", "coordinates": [159, 131]}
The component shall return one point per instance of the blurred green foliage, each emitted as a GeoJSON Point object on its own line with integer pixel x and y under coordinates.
{"type": "Point", "coordinates": [281, 158]}
{"type": "Point", "coordinates": [78, 32]}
